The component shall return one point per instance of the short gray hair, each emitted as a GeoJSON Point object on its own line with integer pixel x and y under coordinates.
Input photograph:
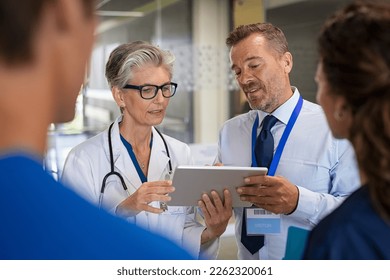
{"type": "Point", "coordinates": [122, 60]}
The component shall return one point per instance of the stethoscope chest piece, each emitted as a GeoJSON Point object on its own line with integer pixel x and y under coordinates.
{"type": "Point", "coordinates": [168, 176]}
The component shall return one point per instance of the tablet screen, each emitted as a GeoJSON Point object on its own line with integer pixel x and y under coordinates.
{"type": "Point", "coordinates": [191, 182]}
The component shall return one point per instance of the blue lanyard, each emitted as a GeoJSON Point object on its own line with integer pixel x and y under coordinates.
{"type": "Point", "coordinates": [283, 140]}
{"type": "Point", "coordinates": [129, 149]}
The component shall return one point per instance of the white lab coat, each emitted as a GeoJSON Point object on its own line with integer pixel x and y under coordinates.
{"type": "Point", "coordinates": [88, 163]}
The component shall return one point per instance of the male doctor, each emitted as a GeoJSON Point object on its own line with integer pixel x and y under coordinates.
{"type": "Point", "coordinates": [310, 172]}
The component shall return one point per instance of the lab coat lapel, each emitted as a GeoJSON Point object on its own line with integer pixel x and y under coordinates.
{"type": "Point", "coordinates": [158, 164]}
{"type": "Point", "coordinates": [122, 160]}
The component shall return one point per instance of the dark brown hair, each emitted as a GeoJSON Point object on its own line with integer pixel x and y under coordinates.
{"type": "Point", "coordinates": [18, 22]}
{"type": "Point", "coordinates": [354, 47]}
{"type": "Point", "coordinates": [273, 34]}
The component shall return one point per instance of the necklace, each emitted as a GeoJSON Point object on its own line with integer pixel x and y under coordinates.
{"type": "Point", "coordinates": [133, 154]}
{"type": "Point", "coordinates": [143, 163]}
{"type": "Point", "coordinates": [140, 162]}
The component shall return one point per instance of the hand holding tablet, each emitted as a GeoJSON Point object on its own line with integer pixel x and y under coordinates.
{"type": "Point", "coordinates": [191, 182]}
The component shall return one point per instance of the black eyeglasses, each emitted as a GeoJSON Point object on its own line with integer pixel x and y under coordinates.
{"type": "Point", "coordinates": [150, 91]}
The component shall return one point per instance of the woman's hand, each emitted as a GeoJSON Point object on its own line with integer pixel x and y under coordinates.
{"type": "Point", "coordinates": [147, 193]}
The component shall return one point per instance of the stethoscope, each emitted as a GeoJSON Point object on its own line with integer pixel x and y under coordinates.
{"type": "Point", "coordinates": [115, 173]}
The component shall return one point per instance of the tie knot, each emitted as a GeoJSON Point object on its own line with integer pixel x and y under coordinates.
{"type": "Point", "coordinates": [269, 122]}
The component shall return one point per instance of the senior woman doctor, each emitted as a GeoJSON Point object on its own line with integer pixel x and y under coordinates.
{"type": "Point", "coordinates": [139, 75]}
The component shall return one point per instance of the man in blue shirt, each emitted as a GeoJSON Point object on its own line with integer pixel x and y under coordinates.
{"type": "Point", "coordinates": [311, 172]}
{"type": "Point", "coordinates": [44, 47]}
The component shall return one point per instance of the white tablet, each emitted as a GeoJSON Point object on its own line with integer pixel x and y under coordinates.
{"type": "Point", "coordinates": [191, 182]}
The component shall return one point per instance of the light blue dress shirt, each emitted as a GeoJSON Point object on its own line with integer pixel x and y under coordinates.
{"type": "Point", "coordinates": [322, 167]}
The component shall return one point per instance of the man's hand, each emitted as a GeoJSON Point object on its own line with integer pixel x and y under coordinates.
{"type": "Point", "coordinates": [272, 193]}
{"type": "Point", "coordinates": [216, 214]}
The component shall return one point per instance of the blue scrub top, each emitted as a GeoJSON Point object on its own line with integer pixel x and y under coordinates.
{"type": "Point", "coordinates": [41, 219]}
{"type": "Point", "coordinates": [354, 231]}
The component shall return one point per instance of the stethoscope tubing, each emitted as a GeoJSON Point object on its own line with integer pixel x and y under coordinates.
{"type": "Point", "coordinates": [115, 173]}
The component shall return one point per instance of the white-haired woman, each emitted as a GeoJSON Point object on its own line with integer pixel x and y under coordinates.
{"type": "Point", "coordinates": [139, 160]}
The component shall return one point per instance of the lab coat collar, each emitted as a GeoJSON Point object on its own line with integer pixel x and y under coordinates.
{"type": "Point", "coordinates": [159, 160]}
{"type": "Point", "coordinates": [122, 161]}
{"type": "Point", "coordinates": [158, 164]}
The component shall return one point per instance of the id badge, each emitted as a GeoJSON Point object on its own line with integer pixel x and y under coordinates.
{"type": "Point", "coordinates": [260, 221]}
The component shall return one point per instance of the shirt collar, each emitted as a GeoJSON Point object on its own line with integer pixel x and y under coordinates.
{"type": "Point", "coordinates": [284, 111]}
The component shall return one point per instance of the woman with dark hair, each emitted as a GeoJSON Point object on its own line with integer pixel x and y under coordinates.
{"type": "Point", "coordinates": [353, 78]}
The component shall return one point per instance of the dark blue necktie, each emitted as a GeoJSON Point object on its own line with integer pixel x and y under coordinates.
{"type": "Point", "coordinates": [264, 152]}
{"type": "Point", "coordinates": [264, 149]}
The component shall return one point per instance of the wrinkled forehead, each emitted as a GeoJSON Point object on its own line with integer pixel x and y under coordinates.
{"type": "Point", "coordinates": [253, 47]}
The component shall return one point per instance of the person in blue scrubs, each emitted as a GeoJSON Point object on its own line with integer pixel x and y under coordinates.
{"type": "Point", "coordinates": [44, 47]}
{"type": "Point", "coordinates": [353, 77]}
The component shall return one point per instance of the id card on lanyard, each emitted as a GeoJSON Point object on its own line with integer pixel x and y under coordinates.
{"type": "Point", "coordinates": [260, 221]}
